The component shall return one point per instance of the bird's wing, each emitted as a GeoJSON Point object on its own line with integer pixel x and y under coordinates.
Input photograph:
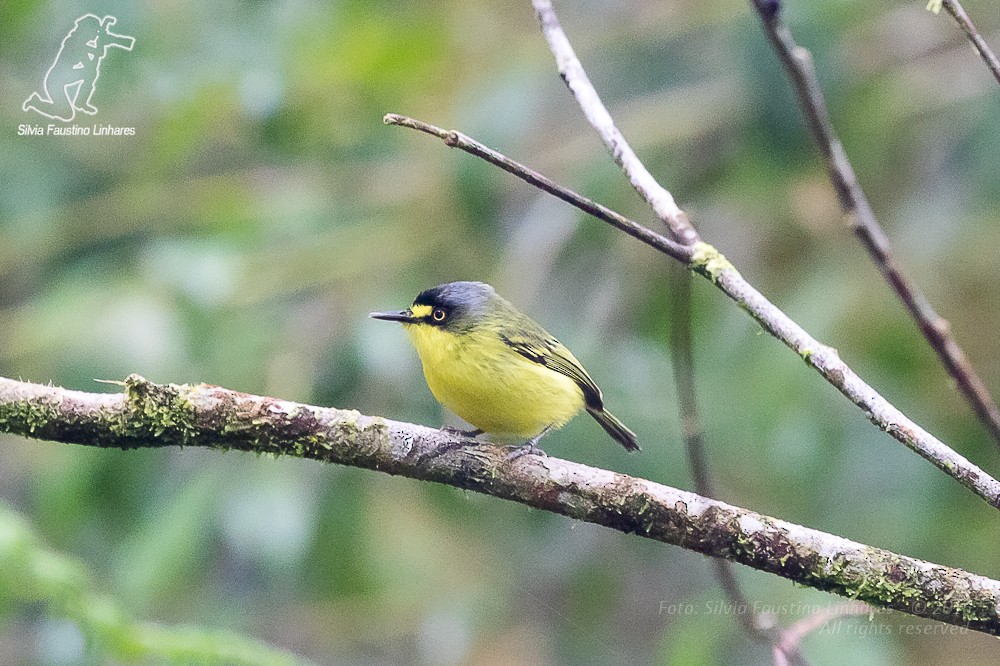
{"type": "Point", "coordinates": [536, 344]}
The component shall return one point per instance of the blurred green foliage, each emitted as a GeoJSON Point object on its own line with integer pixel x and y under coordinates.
{"type": "Point", "coordinates": [78, 619]}
{"type": "Point", "coordinates": [262, 210]}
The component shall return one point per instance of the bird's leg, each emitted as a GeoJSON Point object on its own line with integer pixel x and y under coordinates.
{"type": "Point", "coordinates": [528, 447]}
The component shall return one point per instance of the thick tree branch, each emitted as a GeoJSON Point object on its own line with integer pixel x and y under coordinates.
{"type": "Point", "coordinates": [148, 415]}
{"type": "Point", "coordinates": [708, 262]}
{"type": "Point", "coordinates": [799, 64]}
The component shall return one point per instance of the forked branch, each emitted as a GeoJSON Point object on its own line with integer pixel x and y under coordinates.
{"type": "Point", "coordinates": [705, 260]}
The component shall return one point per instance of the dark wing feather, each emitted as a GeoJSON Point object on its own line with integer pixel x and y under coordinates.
{"type": "Point", "coordinates": [536, 344]}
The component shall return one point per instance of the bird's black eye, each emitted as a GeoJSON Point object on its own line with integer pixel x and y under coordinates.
{"type": "Point", "coordinates": [438, 315]}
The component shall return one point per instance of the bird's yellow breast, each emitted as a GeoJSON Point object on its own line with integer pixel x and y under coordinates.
{"type": "Point", "coordinates": [477, 376]}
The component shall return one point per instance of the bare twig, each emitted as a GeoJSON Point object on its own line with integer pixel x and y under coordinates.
{"type": "Point", "coordinates": [456, 139]}
{"type": "Point", "coordinates": [148, 415]}
{"type": "Point", "coordinates": [682, 355]}
{"type": "Point", "coordinates": [579, 84]}
{"type": "Point", "coordinates": [790, 638]}
{"type": "Point", "coordinates": [954, 7]}
{"type": "Point", "coordinates": [799, 65]}
{"type": "Point", "coordinates": [705, 260]}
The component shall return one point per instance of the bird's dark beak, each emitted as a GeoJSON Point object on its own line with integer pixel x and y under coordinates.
{"type": "Point", "coordinates": [403, 316]}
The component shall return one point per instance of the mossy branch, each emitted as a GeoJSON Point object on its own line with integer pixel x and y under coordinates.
{"type": "Point", "coordinates": [148, 415]}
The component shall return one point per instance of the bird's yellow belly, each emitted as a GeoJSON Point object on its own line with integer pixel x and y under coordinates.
{"type": "Point", "coordinates": [493, 387]}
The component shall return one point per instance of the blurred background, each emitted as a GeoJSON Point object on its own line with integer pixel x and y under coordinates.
{"type": "Point", "coordinates": [262, 209]}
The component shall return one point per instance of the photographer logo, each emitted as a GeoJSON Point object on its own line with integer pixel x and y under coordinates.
{"type": "Point", "coordinates": [71, 81]}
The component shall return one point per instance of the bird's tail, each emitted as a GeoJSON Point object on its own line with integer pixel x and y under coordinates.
{"type": "Point", "coordinates": [618, 430]}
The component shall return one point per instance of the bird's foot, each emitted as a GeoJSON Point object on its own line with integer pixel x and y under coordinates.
{"type": "Point", "coordinates": [529, 447]}
{"type": "Point", "coordinates": [515, 452]}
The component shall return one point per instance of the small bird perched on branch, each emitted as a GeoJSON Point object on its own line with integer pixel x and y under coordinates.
{"type": "Point", "coordinates": [498, 369]}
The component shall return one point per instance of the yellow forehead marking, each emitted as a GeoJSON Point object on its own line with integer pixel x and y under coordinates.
{"type": "Point", "coordinates": [420, 311]}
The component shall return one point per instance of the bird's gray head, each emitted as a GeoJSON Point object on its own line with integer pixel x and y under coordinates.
{"type": "Point", "coordinates": [455, 305]}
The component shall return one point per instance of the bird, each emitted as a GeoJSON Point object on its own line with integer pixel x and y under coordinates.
{"type": "Point", "coordinates": [498, 369]}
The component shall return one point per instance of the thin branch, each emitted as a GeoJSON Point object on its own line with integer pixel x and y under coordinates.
{"type": "Point", "coordinates": [682, 357]}
{"type": "Point", "coordinates": [148, 415]}
{"type": "Point", "coordinates": [798, 63]}
{"type": "Point", "coordinates": [954, 7]}
{"type": "Point", "coordinates": [456, 139]}
{"type": "Point", "coordinates": [788, 644]}
{"type": "Point", "coordinates": [597, 114]}
{"type": "Point", "coordinates": [757, 627]}
{"type": "Point", "coordinates": [708, 262]}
